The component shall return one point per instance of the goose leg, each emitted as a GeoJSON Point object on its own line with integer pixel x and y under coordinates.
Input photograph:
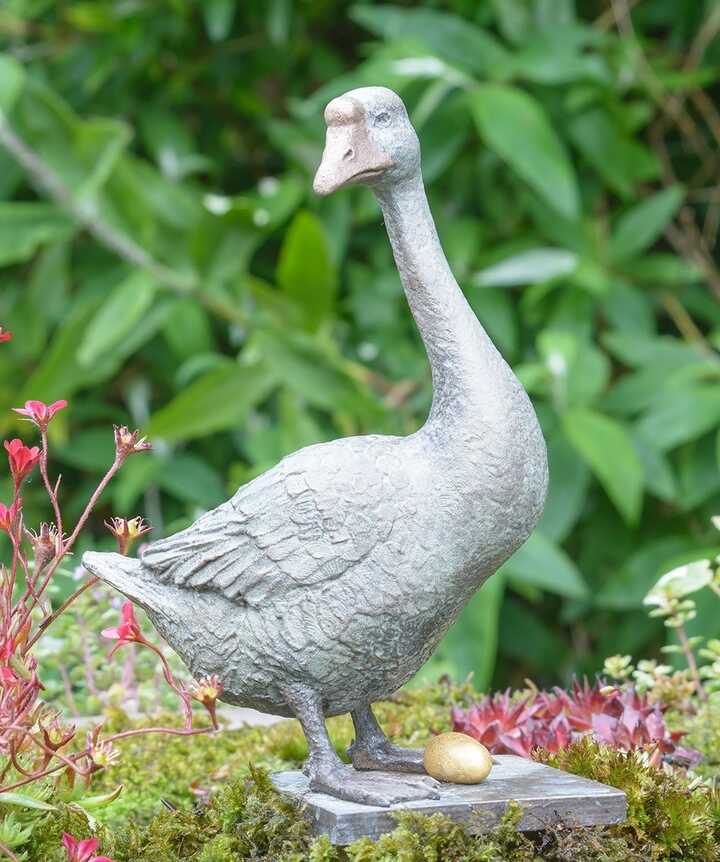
{"type": "Point", "coordinates": [373, 750]}
{"type": "Point", "coordinates": [328, 774]}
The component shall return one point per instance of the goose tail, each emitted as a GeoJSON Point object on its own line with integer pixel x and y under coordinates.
{"type": "Point", "coordinates": [124, 573]}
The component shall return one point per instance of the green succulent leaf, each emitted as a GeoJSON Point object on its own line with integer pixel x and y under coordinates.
{"type": "Point", "coordinates": [22, 800]}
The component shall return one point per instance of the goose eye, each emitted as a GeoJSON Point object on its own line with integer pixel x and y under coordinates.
{"type": "Point", "coordinates": [382, 119]}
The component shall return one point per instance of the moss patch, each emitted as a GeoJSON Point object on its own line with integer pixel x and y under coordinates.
{"type": "Point", "coordinates": [671, 818]}
{"type": "Point", "coordinates": [185, 770]}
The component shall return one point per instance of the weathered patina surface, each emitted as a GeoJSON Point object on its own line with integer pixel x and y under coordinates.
{"type": "Point", "coordinates": [325, 583]}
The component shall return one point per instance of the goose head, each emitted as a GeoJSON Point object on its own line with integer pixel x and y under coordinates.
{"type": "Point", "coordinates": [369, 140]}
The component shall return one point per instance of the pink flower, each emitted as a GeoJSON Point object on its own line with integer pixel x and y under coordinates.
{"type": "Point", "coordinates": [7, 677]}
{"type": "Point", "coordinates": [9, 515]}
{"type": "Point", "coordinates": [82, 851]}
{"type": "Point", "coordinates": [127, 632]}
{"type": "Point", "coordinates": [22, 459]}
{"type": "Point", "coordinates": [39, 412]}
{"type": "Point", "coordinates": [4, 335]}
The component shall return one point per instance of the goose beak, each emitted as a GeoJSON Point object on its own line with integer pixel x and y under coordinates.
{"type": "Point", "coordinates": [349, 156]}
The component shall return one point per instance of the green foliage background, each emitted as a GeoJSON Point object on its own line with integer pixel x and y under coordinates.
{"type": "Point", "coordinates": [166, 265]}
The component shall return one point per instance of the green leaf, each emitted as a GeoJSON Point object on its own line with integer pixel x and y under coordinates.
{"type": "Point", "coordinates": [190, 479]}
{"type": "Point", "coordinates": [21, 799]}
{"type": "Point", "coordinates": [548, 648]}
{"type": "Point", "coordinates": [24, 227]}
{"type": "Point", "coordinates": [637, 350]}
{"type": "Point", "coordinates": [187, 330]}
{"type": "Point", "coordinates": [133, 480]}
{"type": "Point", "coordinates": [59, 374]}
{"type": "Point", "coordinates": [99, 801]}
{"type": "Point", "coordinates": [609, 452]}
{"type": "Point", "coordinates": [619, 159]}
{"type": "Point", "coordinates": [84, 153]}
{"type": "Point", "coordinates": [680, 582]}
{"type": "Point", "coordinates": [698, 473]}
{"type": "Point", "coordinates": [314, 373]}
{"type": "Point", "coordinates": [124, 308]}
{"type": "Point", "coordinates": [642, 224]}
{"type": "Point", "coordinates": [495, 309]}
{"type": "Point", "coordinates": [680, 415]}
{"type": "Point", "coordinates": [171, 145]}
{"type": "Point", "coordinates": [659, 477]}
{"type": "Point", "coordinates": [629, 308]}
{"type": "Point", "coordinates": [541, 563]}
{"type": "Point", "coordinates": [567, 490]}
{"type": "Point", "coordinates": [528, 267]}
{"type": "Point", "coordinates": [12, 79]}
{"type": "Point", "coordinates": [515, 125]}
{"type": "Point", "coordinates": [216, 401]}
{"type": "Point", "coordinates": [218, 15]}
{"type": "Point", "coordinates": [451, 37]}
{"type": "Point", "coordinates": [626, 586]}
{"type": "Point", "coordinates": [544, 61]}
{"type": "Point", "coordinates": [663, 268]}
{"type": "Point", "coordinates": [93, 450]}
{"type": "Point", "coordinates": [305, 271]}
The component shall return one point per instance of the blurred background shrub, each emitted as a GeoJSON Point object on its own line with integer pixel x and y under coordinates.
{"type": "Point", "coordinates": [166, 265]}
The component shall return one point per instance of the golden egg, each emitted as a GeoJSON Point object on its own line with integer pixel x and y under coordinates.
{"type": "Point", "coordinates": [457, 759]}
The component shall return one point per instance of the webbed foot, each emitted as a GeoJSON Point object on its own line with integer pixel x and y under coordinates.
{"type": "Point", "coordinates": [386, 756]}
{"type": "Point", "coordinates": [372, 788]}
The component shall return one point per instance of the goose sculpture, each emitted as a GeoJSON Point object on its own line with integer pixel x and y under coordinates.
{"type": "Point", "coordinates": [325, 583]}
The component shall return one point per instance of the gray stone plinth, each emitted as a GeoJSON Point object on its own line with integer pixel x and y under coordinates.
{"type": "Point", "coordinates": [546, 795]}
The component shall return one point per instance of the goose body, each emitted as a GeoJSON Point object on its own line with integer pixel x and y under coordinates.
{"type": "Point", "coordinates": [325, 583]}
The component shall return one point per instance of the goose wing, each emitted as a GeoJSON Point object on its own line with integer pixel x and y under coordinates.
{"type": "Point", "coordinates": [310, 519]}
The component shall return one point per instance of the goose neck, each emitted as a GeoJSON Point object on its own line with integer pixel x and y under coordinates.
{"type": "Point", "coordinates": [459, 350]}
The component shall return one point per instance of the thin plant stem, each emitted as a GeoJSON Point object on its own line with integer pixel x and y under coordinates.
{"type": "Point", "coordinates": [8, 852]}
{"type": "Point", "coordinates": [67, 545]}
{"type": "Point", "coordinates": [104, 482]}
{"type": "Point", "coordinates": [692, 663]}
{"type": "Point", "coordinates": [52, 492]}
{"type": "Point", "coordinates": [48, 621]}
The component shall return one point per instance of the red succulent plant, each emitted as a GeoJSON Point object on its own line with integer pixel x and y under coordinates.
{"type": "Point", "coordinates": [618, 717]}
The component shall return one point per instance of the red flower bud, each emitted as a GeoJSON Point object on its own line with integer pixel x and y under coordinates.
{"type": "Point", "coordinates": [22, 459]}
{"type": "Point", "coordinates": [4, 335]}
{"type": "Point", "coordinates": [9, 515]}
